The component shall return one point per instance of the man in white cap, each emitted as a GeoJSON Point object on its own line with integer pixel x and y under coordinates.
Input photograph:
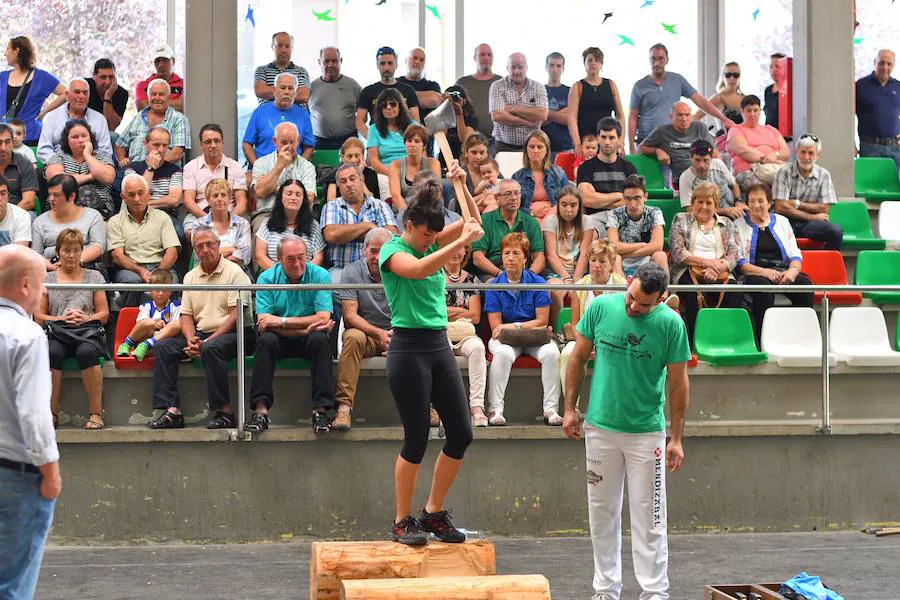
{"type": "Point", "coordinates": [163, 61]}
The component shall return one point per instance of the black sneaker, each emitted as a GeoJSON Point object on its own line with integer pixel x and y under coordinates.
{"type": "Point", "coordinates": [320, 422]}
{"type": "Point", "coordinates": [440, 525]}
{"type": "Point", "coordinates": [257, 423]}
{"type": "Point", "coordinates": [167, 420]}
{"type": "Point", "coordinates": [221, 421]}
{"type": "Point", "coordinates": [408, 531]}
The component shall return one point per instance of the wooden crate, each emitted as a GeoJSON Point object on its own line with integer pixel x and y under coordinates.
{"type": "Point", "coordinates": [767, 591]}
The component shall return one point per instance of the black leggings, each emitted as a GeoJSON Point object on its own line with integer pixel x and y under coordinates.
{"type": "Point", "coordinates": [84, 352]}
{"type": "Point", "coordinates": [421, 369]}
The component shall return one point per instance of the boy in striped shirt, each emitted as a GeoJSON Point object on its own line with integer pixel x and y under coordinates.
{"type": "Point", "coordinates": [157, 319]}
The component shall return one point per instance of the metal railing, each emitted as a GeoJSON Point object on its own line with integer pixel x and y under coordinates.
{"type": "Point", "coordinates": [824, 428]}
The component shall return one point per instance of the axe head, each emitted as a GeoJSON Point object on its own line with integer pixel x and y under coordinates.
{"type": "Point", "coordinates": [441, 118]}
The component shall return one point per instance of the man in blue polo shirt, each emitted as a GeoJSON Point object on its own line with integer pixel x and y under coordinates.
{"type": "Point", "coordinates": [878, 110]}
{"type": "Point", "coordinates": [292, 324]}
{"type": "Point", "coordinates": [261, 128]}
{"type": "Point", "coordinates": [653, 97]}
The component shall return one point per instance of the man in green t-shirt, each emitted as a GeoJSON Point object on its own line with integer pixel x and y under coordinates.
{"type": "Point", "coordinates": [638, 343]}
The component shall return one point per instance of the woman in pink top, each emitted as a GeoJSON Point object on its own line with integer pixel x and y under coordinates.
{"type": "Point", "coordinates": [756, 150]}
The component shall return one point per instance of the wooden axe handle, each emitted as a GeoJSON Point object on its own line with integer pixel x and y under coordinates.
{"type": "Point", "coordinates": [441, 138]}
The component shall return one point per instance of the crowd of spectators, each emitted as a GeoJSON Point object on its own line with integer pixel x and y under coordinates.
{"type": "Point", "coordinates": [137, 207]}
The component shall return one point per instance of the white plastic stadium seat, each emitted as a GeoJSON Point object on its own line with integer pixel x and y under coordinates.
{"type": "Point", "coordinates": [509, 162]}
{"type": "Point", "coordinates": [889, 222]}
{"type": "Point", "coordinates": [859, 337]}
{"type": "Point", "coordinates": [792, 338]}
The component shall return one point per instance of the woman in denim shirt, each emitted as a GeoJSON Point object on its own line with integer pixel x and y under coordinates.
{"type": "Point", "coordinates": [541, 181]}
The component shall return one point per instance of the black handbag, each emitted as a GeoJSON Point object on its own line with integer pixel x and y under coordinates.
{"type": "Point", "coordinates": [778, 265]}
{"type": "Point", "coordinates": [92, 333]}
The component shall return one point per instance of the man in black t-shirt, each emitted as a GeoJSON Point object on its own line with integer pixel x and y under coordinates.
{"type": "Point", "coordinates": [428, 92]}
{"type": "Point", "coordinates": [601, 180]}
{"type": "Point", "coordinates": [107, 98]}
{"type": "Point", "coordinates": [386, 60]}
{"type": "Point", "coordinates": [771, 92]}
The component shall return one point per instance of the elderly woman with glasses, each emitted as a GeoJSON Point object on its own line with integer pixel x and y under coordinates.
{"type": "Point", "coordinates": [385, 143]}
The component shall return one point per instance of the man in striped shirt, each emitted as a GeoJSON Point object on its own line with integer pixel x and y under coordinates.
{"type": "Point", "coordinates": [164, 178]}
{"type": "Point", "coordinates": [264, 77]}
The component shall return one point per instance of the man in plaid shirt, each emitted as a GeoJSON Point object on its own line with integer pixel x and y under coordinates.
{"type": "Point", "coordinates": [130, 145]}
{"type": "Point", "coordinates": [803, 192]}
{"type": "Point", "coordinates": [347, 219]}
{"type": "Point", "coordinates": [518, 105]}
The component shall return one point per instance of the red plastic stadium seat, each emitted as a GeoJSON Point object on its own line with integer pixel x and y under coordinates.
{"type": "Point", "coordinates": [566, 162]}
{"type": "Point", "coordinates": [826, 267]}
{"type": "Point", "coordinates": [124, 324]}
{"type": "Point", "coordinates": [808, 244]}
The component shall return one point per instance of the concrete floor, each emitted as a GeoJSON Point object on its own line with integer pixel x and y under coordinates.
{"type": "Point", "coordinates": [854, 564]}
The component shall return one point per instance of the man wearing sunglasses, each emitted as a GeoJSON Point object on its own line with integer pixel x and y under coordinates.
{"type": "Point", "coordinates": [803, 192]}
{"type": "Point", "coordinates": [386, 60]}
{"type": "Point", "coordinates": [878, 110]}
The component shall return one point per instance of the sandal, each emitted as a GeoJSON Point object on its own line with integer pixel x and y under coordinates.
{"type": "Point", "coordinates": [55, 420]}
{"type": "Point", "coordinates": [94, 422]}
{"type": "Point", "coordinates": [479, 419]}
{"type": "Point", "coordinates": [497, 419]}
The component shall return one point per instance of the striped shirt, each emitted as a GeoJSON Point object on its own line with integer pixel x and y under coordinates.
{"type": "Point", "coordinates": [132, 139]}
{"type": "Point", "coordinates": [268, 73]}
{"type": "Point", "coordinates": [338, 212]}
{"type": "Point", "coordinates": [314, 240]}
{"type": "Point", "coordinates": [237, 236]}
{"type": "Point", "coordinates": [167, 313]}
{"type": "Point", "coordinates": [505, 93]}
{"type": "Point", "coordinates": [301, 169]}
{"type": "Point", "coordinates": [815, 189]}
{"type": "Point", "coordinates": [71, 166]}
{"type": "Point", "coordinates": [166, 177]}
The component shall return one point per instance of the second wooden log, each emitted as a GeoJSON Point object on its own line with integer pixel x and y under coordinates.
{"type": "Point", "coordinates": [497, 587]}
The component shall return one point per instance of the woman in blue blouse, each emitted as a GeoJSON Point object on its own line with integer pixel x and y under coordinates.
{"type": "Point", "coordinates": [35, 86]}
{"type": "Point", "coordinates": [541, 180]}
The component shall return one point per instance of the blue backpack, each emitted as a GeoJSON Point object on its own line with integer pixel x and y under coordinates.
{"type": "Point", "coordinates": [809, 587]}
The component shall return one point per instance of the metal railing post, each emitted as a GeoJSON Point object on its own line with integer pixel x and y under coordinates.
{"type": "Point", "coordinates": [241, 403]}
{"type": "Point", "coordinates": [826, 369]}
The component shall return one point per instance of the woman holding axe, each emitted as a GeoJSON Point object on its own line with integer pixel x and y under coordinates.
{"type": "Point", "coordinates": [421, 368]}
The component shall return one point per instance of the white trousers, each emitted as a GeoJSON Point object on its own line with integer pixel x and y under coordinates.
{"type": "Point", "coordinates": [473, 350]}
{"type": "Point", "coordinates": [501, 365]}
{"type": "Point", "coordinates": [641, 459]}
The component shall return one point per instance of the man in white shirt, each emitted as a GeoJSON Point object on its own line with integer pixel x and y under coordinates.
{"type": "Point", "coordinates": [29, 467]}
{"type": "Point", "coordinates": [15, 223]}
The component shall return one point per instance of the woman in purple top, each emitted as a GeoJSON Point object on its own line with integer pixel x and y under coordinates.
{"type": "Point", "coordinates": [35, 86]}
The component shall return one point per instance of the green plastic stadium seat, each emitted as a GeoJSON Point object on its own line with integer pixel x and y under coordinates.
{"type": "Point", "coordinates": [565, 315]}
{"type": "Point", "coordinates": [328, 158]}
{"type": "Point", "coordinates": [879, 268]}
{"type": "Point", "coordinates": [37, 205]}
{"type": "Point", "coordinates": [71, 364]}
{"type": "Point", "coordinates": [648, 167]}
{"type": "Point", "coordinates": [724, 337]}
{"type": "Point", "coordinates": [875, 179]}
{"type": "Point", "coordinates": [669, 209]}
{"type": "Point", "coordinates": [854, 218]}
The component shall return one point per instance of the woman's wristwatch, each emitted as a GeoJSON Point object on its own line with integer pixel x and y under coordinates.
{"type": "Point", "coordinates": [518, 325]}
{"type": "Point", "coordinates": [284, 322]}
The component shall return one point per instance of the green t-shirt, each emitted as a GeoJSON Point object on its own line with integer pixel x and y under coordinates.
{"type": "Point", "coordinates": [414, 303]}
{"type": "Point", "coordinates": [628, 388]}
{"type": "Point", "coordinates": [495, 228]}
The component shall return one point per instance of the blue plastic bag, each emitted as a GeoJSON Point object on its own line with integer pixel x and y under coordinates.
{"type": "Point", "coordinates": [811, 587]}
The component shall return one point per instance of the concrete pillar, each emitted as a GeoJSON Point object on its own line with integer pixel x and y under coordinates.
{"type": "Point", "coordinates": [211, 74]}
{"type": "Point", "coordinates": [823, 83]}
{"type": "Point", "coordinates": [710, 45]}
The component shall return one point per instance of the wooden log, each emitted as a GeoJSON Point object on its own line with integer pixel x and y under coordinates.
{"type": "Point", "coordinates": [497, 587]}
{"type": "Point", "coordinates": [332, 562]}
